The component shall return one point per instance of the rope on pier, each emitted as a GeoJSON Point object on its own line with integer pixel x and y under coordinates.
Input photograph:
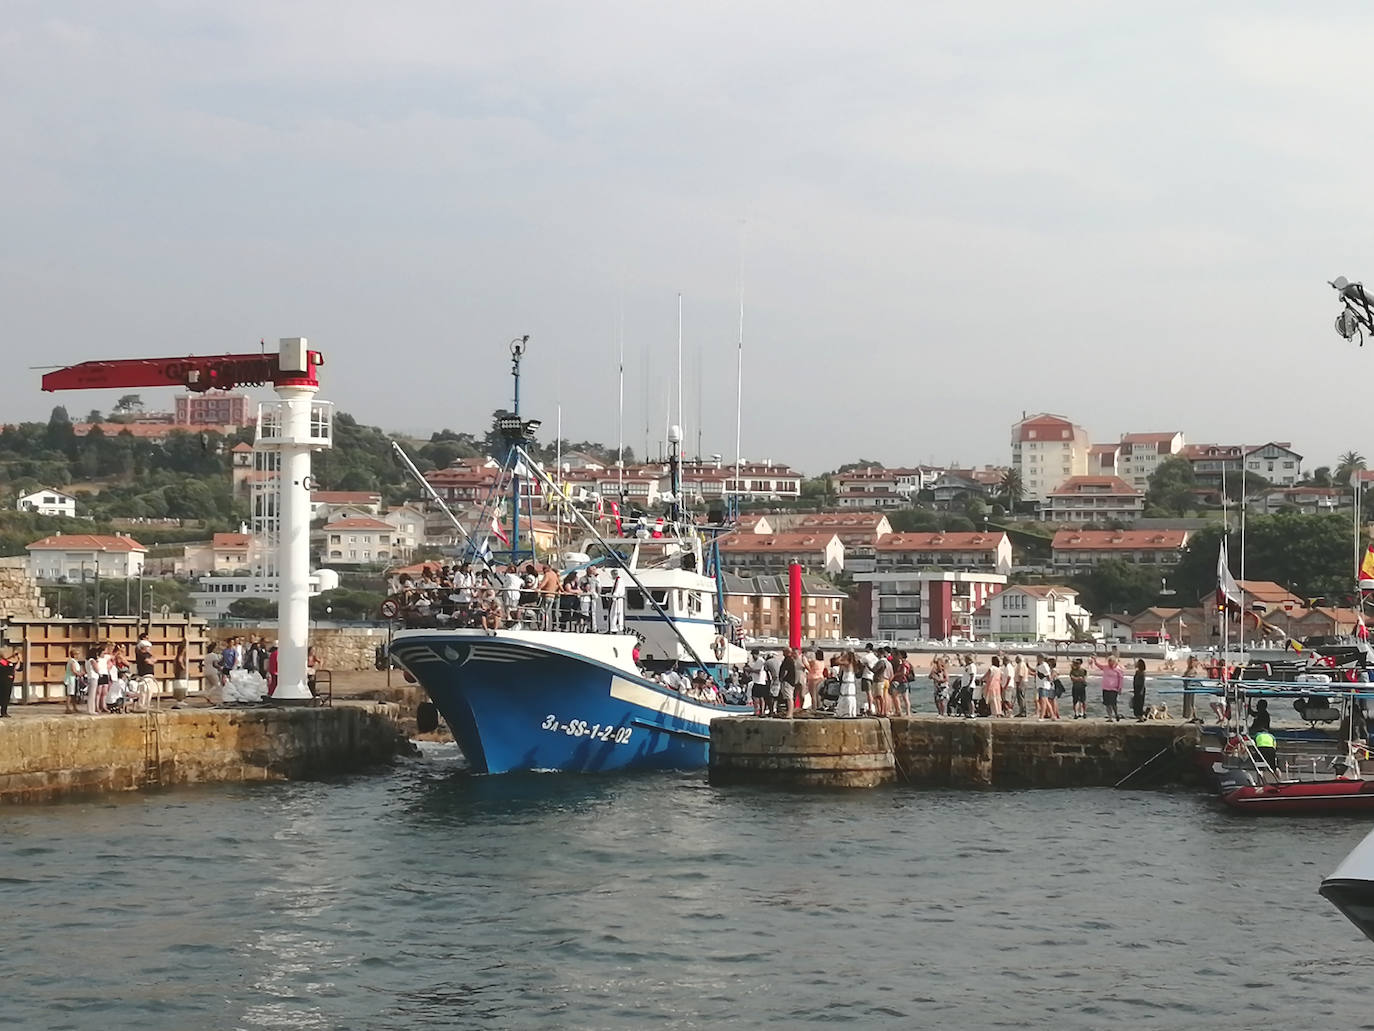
{"type": "Point", "coordinates": [1163, 751]}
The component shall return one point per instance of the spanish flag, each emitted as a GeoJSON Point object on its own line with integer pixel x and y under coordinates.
{"type": "Point", "coordinates": [1367, 569]}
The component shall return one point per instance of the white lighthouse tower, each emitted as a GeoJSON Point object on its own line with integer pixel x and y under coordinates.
{"type": "Point", "coordinates": [288, 431]}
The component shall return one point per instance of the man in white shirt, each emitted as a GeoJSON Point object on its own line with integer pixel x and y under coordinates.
{"type": "Point", "coordinates": [618, 603]}
{"type": "Point", "coordinates": [758, 681]}
{"type": "Point", "coordinates": [971, 675]}
{"type": "Point", "coordinates": [868, 659]}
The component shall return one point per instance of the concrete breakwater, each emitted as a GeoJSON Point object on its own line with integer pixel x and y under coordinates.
{"type": "Point", "coordinates": [49, 756]}
{"type": "Point", "coordinates": [931, 751]}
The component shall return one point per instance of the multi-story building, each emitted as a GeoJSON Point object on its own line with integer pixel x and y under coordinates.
{"type": "Point", "coordinates": [932, 605]}
{"type": "Point", "coordinates": [879, 487]}
{"type": "Point", "coordinates": [1093, 499]}
{"type": "Point", "coordinates": [766, 480]}
{"type": "Point", "coordinates": [985, 552]}
{"type": "Point", "coordinates": [48, 502]}
{"type": "Point", "coordinates": [1140, 454]}
{"type": "Point", "coordinates": [1277, 463]}
{"type": "Point", "coordinates": [1077, 548]}
{"type": "Point", "coordinates": [1033, 612]}
{"type": "Point", "coordinates": [760, 603]}
{"type": "Point", "coordinates": [764, 553]}
{"type": "Point", "coordinates": [214, 408]}
{"type": "Point", "coordinates": [358, 541]}
{"type": "Point", "coordinates": [1046, 450]}
{"type": "Point", "coordinates": [74, 556]}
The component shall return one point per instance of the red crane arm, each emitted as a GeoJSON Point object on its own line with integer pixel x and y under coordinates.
{"type": "Point", "coordinates": [221, 372]}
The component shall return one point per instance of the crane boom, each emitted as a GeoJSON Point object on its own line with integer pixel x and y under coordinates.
{"type": "Point", "coordinates": [198, 374]}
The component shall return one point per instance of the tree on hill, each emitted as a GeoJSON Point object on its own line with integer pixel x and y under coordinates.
{"type": "Point", "coordinates": [1116, 586]}
{"type": "Point", "coordinates": [1013, 488]}
{"type": "Point", "coordinates": [1347, 465]}
{"type": "Point", "coordinates": [1308, 554]}
{"type": "Point", "coordinates": [862, 463]}
{"type": "Point", "coordinates": [1169, 489]}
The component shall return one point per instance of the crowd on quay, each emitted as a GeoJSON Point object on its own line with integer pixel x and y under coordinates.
{"type": "Point", "coordinates": [255, 655]}
{"type": "Point", "coordinates": [107, 679]}
{"type": "Point", "coordinates": [532, 597]}
{"type": "Point", "coordinates": [964, 688]}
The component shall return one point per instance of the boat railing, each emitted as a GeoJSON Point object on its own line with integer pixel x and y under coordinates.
{"type": "Point", "coordinates": [429, 608]}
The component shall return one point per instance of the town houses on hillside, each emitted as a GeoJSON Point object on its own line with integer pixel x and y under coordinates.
{"type": "Point", "coordinates": [1092, 499]}
{"type": "Point", "coordinates": [1078, 548]}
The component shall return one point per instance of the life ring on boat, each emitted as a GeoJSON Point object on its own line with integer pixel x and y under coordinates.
{"type": "Point", "coordinates": [719, 646]}
{"type": "Point", "coordinates": [390, 608]}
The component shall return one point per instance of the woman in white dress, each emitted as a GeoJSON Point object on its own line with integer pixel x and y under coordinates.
{"type": "Point", "coordinates": [845, 664]}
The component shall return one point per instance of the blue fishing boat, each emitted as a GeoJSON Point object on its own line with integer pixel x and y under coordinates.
{"type": "Point", "coordinates": [526, 685]}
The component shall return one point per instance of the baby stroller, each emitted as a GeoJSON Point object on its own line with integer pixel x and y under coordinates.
{"type": "Point", "coordinates": [827, 696]}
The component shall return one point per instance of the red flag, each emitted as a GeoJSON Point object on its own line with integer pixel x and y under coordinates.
{"type": "Point", "coordinates": [496, 529]}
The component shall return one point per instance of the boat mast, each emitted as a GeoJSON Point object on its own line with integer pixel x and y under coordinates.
{"type": "Point", "coordinates": [517, 351]}
{"type": "Point", "coordinates": [680, 423]}
{"type": "Point", "coordinates": [739, 372]}
{"type": "Point", "coordinates": [620, 409]}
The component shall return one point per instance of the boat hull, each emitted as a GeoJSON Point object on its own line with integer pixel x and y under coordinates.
{"type": "Point", "coordinates": [1292, 799]}
{"type": "Point", "coordinates": [540, 702]}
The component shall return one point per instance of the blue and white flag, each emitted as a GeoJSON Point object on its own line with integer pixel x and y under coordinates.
{"type": "Point", "coordinates": [484, 550]}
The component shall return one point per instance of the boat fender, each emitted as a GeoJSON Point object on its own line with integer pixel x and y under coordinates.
{"type": "Point", "coordinates": [426, 717]}
{"type": "Point", "coordinates": [718, 646]}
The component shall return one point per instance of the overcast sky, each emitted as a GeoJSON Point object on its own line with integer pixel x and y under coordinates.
{"type": "Point", "coordinates": [946, 214]}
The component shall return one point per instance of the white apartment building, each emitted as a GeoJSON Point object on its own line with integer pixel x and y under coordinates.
{"type": "Point", "coordinates": [1046, 450]}
{"type": "Point", "coordinates": [1032, 613]}
{"type": "Point", "coordinates": [1277, 463]}
{"type": "Point", "coordinates": [357, 541]}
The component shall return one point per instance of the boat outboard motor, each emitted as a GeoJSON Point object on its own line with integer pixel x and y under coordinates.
{"type": "Point", "coordinates": [1351, 887]}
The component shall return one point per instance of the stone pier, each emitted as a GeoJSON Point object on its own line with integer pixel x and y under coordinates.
{"type": "Point", "coordinates": [49, 756]}
{"type": "Point", "coordinates": [930, 751]}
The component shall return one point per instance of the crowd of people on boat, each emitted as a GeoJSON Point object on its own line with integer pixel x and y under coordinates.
{"type": "Point", "coordinates": [535, 596]}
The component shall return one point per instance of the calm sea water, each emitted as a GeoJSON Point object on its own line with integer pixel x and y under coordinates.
{"type": "Point", "coordinates": [426, 898]}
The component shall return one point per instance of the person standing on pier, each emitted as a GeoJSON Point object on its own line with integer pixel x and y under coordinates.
{"type": "Point", "coordinates": [758, 682]}
{"type": "Point", "coordinates": [1078, 683]}
{"type": "Point", "coordinates": [1138, 691]}
{"type": "Point", "coordinates": [848, 704]}
{"type": "Point", "coordinates": [1042, 680]}
{"type": "Point", "coordinates": [1019, 674]}
{"type": "Point", "coordinates": [967, 695]}
{"type": "Point", "coordinates": [992, 687]}
{"type": "Point", "coordinates": [815, 677]}
{"type": "Point", "coordinates": [1112, 676]}
{"type": "Point", "coordinates": [939, 681]}
{"type": "Point", "coordinates": [900, 689]}
{"type": "Point", "coordinates": [9, 666]}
